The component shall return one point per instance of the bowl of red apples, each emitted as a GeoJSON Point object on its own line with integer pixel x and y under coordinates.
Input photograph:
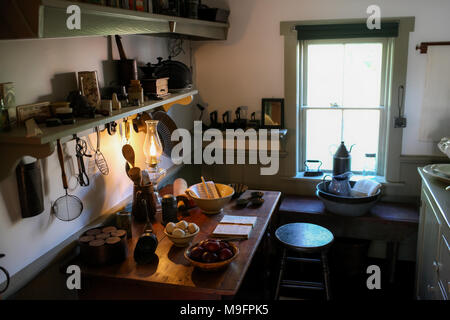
{"type": "Point", "coordinates": [211, 254]}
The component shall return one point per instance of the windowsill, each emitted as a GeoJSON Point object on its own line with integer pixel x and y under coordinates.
{"type": "Point", "coordinates": [355, 177]}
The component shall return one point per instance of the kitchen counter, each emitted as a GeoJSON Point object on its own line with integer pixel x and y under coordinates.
{"type": "Point", "coordinates": [433, 243]}
{"type": "Point", "coordinates": [437, 191]}
{"type": "Point", "coordinates": [172, 276]}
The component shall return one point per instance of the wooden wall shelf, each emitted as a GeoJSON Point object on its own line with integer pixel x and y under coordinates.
{"type": "Point", "coordinates": [15, 144]}
{"type": "Point", "coordinates": [31, 19]}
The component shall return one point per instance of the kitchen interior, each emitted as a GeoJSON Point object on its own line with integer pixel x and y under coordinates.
{"type": "Point", "coordinates": [94, 96]}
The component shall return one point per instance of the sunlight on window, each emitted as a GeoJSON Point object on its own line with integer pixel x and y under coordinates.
{"type": "Point", "coordinates": [345, 81]}
{"type": "Point", "coordinates": [323, 135]}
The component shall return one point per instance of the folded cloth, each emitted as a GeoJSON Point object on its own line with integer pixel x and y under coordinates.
{"type": "Point", "coordinates": [365, 188]}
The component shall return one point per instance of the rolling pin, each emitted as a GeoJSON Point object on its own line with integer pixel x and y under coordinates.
{"type": "Point", "coordinates": [179, 191]}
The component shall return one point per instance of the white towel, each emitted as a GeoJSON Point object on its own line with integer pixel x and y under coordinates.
{"type": "Point", "coordinates": [435, 117]}
{"type": "Point", "coordinates": [365, 188]}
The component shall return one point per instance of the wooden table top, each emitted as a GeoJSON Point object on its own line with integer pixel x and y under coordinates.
{"type": "Point", "coordinates": [172, 270]}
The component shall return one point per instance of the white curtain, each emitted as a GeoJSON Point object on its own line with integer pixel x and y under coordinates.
{"type": "Point", "coordinates": [435, 119]}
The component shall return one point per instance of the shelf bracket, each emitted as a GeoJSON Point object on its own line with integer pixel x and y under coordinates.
{"type": "Point", "coordinates": [13, 153]}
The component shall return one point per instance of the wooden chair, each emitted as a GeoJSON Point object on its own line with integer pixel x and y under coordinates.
{"type": "Point", "coordinates": [304, 238]}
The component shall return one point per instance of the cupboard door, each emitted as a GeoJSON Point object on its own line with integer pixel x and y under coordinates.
{"type": "Point", "coordinates": [444, 263]}
{"type": "Point", "coordinates": [428, 282]}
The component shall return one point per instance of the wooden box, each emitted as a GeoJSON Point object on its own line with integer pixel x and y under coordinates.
{"type": "Point", "coordinates": [156, 87]}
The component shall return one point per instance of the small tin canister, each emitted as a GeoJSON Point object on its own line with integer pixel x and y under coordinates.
{"type": "Point", "coordinates": [123, 221]}
{"type": "Point", "coordinates": [169, 209]}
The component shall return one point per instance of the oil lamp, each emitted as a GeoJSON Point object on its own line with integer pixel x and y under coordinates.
{"type": "Point", "coordinates": [153, 151]}
{"type": "Point", "coordinates": [152, 146]}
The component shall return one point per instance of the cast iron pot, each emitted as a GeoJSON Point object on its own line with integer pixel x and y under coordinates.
{"type": "Point", "coordinates": [179, 74]}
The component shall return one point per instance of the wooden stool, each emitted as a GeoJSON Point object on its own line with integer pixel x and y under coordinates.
{"type": "Point", "coordinates": [305, 238]}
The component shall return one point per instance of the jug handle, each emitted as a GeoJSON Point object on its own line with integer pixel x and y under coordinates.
{"type": "Point", "coordinates": [351, 147]}
{"type": "Point", "coordinates": [324, 182]}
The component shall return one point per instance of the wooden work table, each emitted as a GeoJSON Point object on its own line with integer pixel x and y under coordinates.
{"type": "Point", "coordinates": [171, 276]}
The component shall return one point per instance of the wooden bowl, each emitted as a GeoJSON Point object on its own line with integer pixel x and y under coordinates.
{"type": "Point", "coordinates": [213, 266]}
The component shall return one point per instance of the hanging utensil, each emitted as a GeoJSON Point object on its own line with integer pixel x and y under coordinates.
{"type": "Point", "coordinates": [136, 175]}
{"type": "Point", "coordinates": [128, 154]}
{"type": "Point", "coordinates": [100, 160]}
{"type": "Point", "coordinates": [67, 207]}
{"type": "Point", "coordinates": [81, 151]}
{"type": "Point", "coordinates": [111, 127]}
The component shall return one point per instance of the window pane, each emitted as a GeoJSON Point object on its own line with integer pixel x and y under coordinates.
{"type": "Point", "coordinates": [348, 75]}
{"type": "Point", "coordinates": [362, 74]}
{"type": "Point", "coordinates": [361, 128]}
{"type": "Point", "coordinates": [325, 74]}
{"type": "Point", "coordinates": [323, 135]}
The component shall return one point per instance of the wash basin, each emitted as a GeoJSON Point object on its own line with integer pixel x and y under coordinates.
{"type": "Point", "coordinates": [346, 206]}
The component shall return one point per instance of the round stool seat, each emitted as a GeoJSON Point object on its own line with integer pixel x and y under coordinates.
{"type": "Point", "coordinates": [304, 236]}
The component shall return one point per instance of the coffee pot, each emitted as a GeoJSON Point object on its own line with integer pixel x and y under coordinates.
{"type": "Point", "coordinates": [342, 160]}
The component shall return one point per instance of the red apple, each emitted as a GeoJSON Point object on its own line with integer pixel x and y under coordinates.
{"type": "Point", "coordinates": [212, 246]}
{"type": "Point", "coordinates": [209, 257]}
{"type": "Point", "coordinates": [225, 254]}
{"type": "Point", "coordinates": [224, 245]}
{"type": "Point", "coordinates": [196, 253]}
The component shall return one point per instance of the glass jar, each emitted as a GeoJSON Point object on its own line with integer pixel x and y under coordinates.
{"type": "Point", "coordinates": [370, 164]}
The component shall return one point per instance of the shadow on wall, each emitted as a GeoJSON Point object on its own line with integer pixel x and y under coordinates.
{"type": "Point", "coordinates": [10, 197]}
{"type": "Point", "coordinates": [62, 84]}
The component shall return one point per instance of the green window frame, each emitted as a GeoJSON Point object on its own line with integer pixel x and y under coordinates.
{"type": "Point", "coordinates": [398, 54]}
{"type": "Point", "coordinates": [387, 44]}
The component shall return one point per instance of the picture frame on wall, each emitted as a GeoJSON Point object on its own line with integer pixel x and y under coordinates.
{"type": "Point", "coordinates": [272, 113]}
{"type": "Point", "coordinates": [89, 87]}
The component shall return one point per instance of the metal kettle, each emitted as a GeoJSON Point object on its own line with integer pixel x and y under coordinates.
{"type": "Point", "coordinates": [342, 160]}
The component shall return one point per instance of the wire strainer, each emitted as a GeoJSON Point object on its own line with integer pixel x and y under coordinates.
{"type": "Point", "coordinates": [67, 207]}
{"type": "Point", "coordinates": [100, 159]}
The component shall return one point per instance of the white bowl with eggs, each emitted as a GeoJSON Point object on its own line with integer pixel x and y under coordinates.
{"type": "Point", "coordinates": [182, 233]}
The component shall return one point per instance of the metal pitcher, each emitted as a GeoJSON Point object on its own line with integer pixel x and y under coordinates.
{"type": "Point", "coordinates": [342, 160]}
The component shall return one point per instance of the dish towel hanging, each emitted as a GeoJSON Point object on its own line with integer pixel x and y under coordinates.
{"type": "Point", "coordinates": [435, 119]}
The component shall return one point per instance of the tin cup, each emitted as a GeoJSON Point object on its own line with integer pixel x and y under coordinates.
{"type": "Point", "coordinates": [123, 221]}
